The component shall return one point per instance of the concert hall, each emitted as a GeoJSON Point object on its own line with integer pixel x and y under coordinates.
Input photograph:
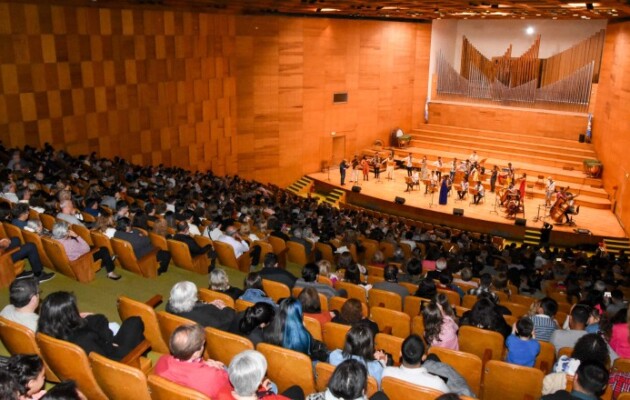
{"type": "Point", "coordinates": [314, 199]}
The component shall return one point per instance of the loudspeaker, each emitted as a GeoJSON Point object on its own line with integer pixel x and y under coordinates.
{"type": "Point", "coordinates": [356, 189]}
{"type": "Point", "coordinates": [520, 221]}
{"type": "Point", "coordinates": [399, 200]}
{"type": "Point", "coordinates": [581, 138]}
{"type": "Point", "coordinates": [458, 211]}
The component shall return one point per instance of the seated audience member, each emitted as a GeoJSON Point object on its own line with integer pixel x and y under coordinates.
{"type": "Point", "coordinates": [254, 320]}
{"type": "Point", "coordinates": [220, 282]}
{"type": "Point", "coordinates": [591, 347]}
{"type": "Point", "coordinates": [20, 215]}
{"type": "Point", "coordinates": [485, 286]}
{"type": "Point", "coordinates": [122, 210]}
{"type": "Point", "coordinates": [273, 272]}
{"type": "Point", "coordinates": [59, 317]}
{"type": "Point", "coordinates": [466, 276]}
{"type": "Point", "coordinates": [522, 347]}
{"type": "Point", "coordinates": [577, 328]}
{"type": "Point", "coordinates": [186, 366]}
{"type": "Point", "coordinates": [620, 337]}
{"type": "Point", "coordinates": [66, 390]}
{"type": "Point", "coordinates": [446, 283]}
{"type": "Point", "coordinates": [311, 305]}
{"type": "Point", "coordinates": [287, 330]}
{"type": "Point", "coordinates": [183, 301]}
{"type": "Point", "coordinates": [240, 246]}
{"type": "Point", "coordinates": [352, 274]}
{"type": "Point", "coordinates": [427, 289]}
{"type": "Point", "coordinates": [140, 243]}
{"type": "Point", "coordinates": [297, 238]}
{"type": "Point", "coordinates": [544, 320]}
{"type": "Point", "coordinates": [29, 252]}
{"type": "Point", "coordinates": [352, 314]}
{"type": "Point", "coordinates": [440, 265]}
{"type": "Point", "coordinates": [348, 381]}
{"type": "Point", "coordinates": [23, 303]}
{"type": "Point", "coordinates": [414, 272]}
{"type": "Point", "coordinates": [28, 370]}
{"type": "Point", "coordinates": [589, 383]}
{"type": "Point", "coordinates": [75, 247]}
{"type": "Point", "coordinates": [106, 225]}
{"type": "Point", "coordinates": [616, 303]}
{"type": "Point", "coordinates": [247, 373]}
{"type": "Point", "coordinates": [484, 315]}
{"type": "Point", "coordinates": [440, 330]}
{"type": "Point", "coordinates": [411, 369]}
{"type": "Point", "coordinates": [254, 291]}
{"type": "Point", "coordinates": [325, 270]}
{"type": "Point", "coordinates": [390, 284]}
{"type": "Point", "coordinates": [91, 207]}
{"type": "Point", "coordinates": [309, 279]}
{"type": "Point", "coordinates": [360, 346]}
{"type": "Point", "coordinates": [183, 235]}
{"type": "Point", "coordinates": [69, 213]}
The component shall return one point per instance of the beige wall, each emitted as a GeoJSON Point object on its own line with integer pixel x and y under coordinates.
{"type": "Point", "coordinates": [611, 121]}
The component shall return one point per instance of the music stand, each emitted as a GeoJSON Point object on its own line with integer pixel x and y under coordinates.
{"type": "Point", "coordinates": [433, 190]}
{"type": "Point", "coordinates": [496, 201]}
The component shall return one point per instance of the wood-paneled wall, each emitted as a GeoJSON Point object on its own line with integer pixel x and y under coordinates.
{"type": "Point", "coordinates": [150, 86]}
{"type": "Point", "coordinates": [287, 72]}
{"type": "Point", "coordinates": [611, 120]}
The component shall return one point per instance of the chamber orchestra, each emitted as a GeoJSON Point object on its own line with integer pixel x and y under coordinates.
{"type": "Point", "coordinates": [466, 178]}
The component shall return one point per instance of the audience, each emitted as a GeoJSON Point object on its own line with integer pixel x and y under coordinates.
{"type": "Point", "coordinates": [544, 319]}
{"type": "Point", "coordinates": [359, 346]}
{"type": "Point", "coordinates": [254, 292]}
{"type": "Point", "coordinates": [220, 282]}
{"type": "Point", "coordinates": [23, 303]}
{"type": "Point", "coordinates": [183, 301]}
{"type": "Point", "coordinates": [439, 329]}
{"type": "Point", "coordinates": [521, 345]}
{"type": "Point", "coordinates": [272, 271]}
{"type": "Point", "coordinates": [390, 284]}
{"type": "Point", "coordinates": [589, 383]}
{"type": "Point", "coordinates": [254, 321]}
{"type": "Point", "coordinates": [312, 307]}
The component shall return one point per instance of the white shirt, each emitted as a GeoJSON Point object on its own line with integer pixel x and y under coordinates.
{"type": "Point", "coordinates": [417, 376]}
{"type": "Point", "coordinates": [214, 234]}
{"type": "Point", "coordinates": [193, 229]}
{"type": "Point", "coordinates": [409, 162]}
{"type": "Point", "coordinates": [473, 157]}
{"type": "Point", "coordinates": [29, 320]}
{"type": "Point", "coordinates": [239, 247]}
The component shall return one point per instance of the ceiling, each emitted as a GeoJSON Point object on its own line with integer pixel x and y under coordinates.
{"type": "Point", "coordinates": [419, 10]}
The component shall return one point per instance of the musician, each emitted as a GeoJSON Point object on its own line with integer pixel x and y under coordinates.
{"type": "Point", "coordinates": [463, 189]}
{"type": "Point", "coordinates": [493, 178]}
{"type": "Point", "coordinates": [481, 192]}
{"type": "Point", "coordinates": [444, 189]}
{"type": "Point", "coordinates": [473, 157]}
{"type": "Point", "coordinates": [389, 166]}
{"type": "Point", "coordinates": [521, 188]}
{"type": "Point", "coordinates": [474, 173]}
{"type": "Point", "coordinates": [376, 163]}
{"type": "Point", "coordinates": [343, 166]}
{"type": "Point", "coordinates": [409, 164]}
{"type": "Point", "coordinates": [415, 177]}
{"type": "Point", "coordinates": [355, 169]}
{"type": "Point", "coordinates": [365, 166]}
{"type": "Point", "coordinates": [432, 183]}
{"type": "Point", "coordinates": [438, 167]}
{"type": "Point", "coordinates": [571, 209]}
{"type": "Point", "coordinates": [512, 194]}
{"type": "Point", "coordinates": [550, 190]}
{"type": "Point", "coordinates": [453, 168]}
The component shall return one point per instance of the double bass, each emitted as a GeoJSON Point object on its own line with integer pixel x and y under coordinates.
{"type": "Point", "coordinates": [562, 204]}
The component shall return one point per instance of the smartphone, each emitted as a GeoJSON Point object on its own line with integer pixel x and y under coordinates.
{"type": "Point", "coordinates": [607, 294]}
{"type": "Point", "coordinates": [559, 259]}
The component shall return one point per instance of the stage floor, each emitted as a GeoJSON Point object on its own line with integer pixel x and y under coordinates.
{"type": "Point", "coordinates": [599, 222]}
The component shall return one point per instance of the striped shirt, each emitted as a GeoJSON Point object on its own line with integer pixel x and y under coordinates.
{"type": "Point", "coordinates": [544, 326]}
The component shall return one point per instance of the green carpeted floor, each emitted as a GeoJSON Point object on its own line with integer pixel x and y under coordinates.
{"type": "Point", "coordinates": [100, 295]}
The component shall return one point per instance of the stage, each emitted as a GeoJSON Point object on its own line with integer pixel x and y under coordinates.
{"type": "Point", "coordinates": [380, 196]}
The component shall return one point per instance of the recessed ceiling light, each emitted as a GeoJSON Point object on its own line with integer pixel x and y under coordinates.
{"type": "Point", "coordinates": [529, 30]}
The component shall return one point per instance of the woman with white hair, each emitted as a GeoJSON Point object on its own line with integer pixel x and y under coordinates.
{"type": "Point", "coordinates": [75, 247]}
{"type": "Point", "coordinates": [183, 301]}
{"type": "Point", "coordinates": [219, 282]}
{"type": "Point", "coordinates": [247, 373]}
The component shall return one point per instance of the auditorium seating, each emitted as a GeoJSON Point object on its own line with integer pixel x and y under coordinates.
{"type": "Point", "coordinates": [163, 389]}
{"type": "Point", "coordinates": [223, 346]}
{"type": "Point", "coordinates": [128, 307]}
{"type": "Point", "coordinates": [82, 269]}
{"type": "Point", "coordinates": [283, 365]}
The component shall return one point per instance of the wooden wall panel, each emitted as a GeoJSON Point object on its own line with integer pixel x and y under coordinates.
{"type": "Point", "coordinates": [287, 72]}
{"type": "Point", "coordinates": [144, 85]}
{"type": "Point", "coordinates": [611, 125]}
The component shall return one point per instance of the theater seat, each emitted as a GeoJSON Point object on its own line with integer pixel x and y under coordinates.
{"type": "Point", "coordinates": [128, 307]}
{"type": "Point", "coordinates": [396, 389]}
{"type": "Point", "coordinates": [163, 389]}
{"type": "Point", "coordinates": [323, 372]}
{"type": "Point", "coordinates": [287, 368]}
{"type": "Point", "coordinates": [383, 298]}
{"type": "Point", "coordinates": [466, 364]}
{"type": "Point", "coordinates": [276, 290]}
{"type": "Point", "coordinates": [223, 346]}
{"type": "Point", "coordinates": [485, 344]}
{"type": "Point", "coordinates": [208, 296]}
{"type": "Point", "coordinates": [118, 380]}
{"type": "Point", "coordinates": [546, 358]}
{"type": "Point", "coordinates": [389, 344]}
{"type": "Point", "coordinates": [147, 266]}
{"type": "Point", "coordinates": [82, 269]}
{"type": "Point", "coordinates": [334, 335]}
{"type": "Point", "coordinates": [169, 322]}
{"type": "Point", "coordinates": [182, 258]}
{"type": "Point", "coordinates": [391, 322]}
{"type": "Point", "coordinates": [505, 381]}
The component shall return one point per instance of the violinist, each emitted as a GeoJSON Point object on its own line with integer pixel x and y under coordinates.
{"type": "Point", "coordinates": [376, 163]}
{"type": "Point", "coordinates": [438, 167]}
{"type": "Point", "coordinates": [432, 186]}
{"type": "Point", "coordinates": [493, 178]}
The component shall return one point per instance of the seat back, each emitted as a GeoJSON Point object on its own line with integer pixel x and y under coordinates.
{"type": "Point", "coordinates": [225, 254]}
{"type": "Point", "coordinates": [47, 221]}
{"type": "Point", "coordinates": [208, 296]}
{"type": "Point", "coordinates": [323, 300]}
{"type": "Point", "coordinates": [32, 237]}
{"type": "Point", "coordinates": [13, 231]}
{"type": "Point", "coordinates": [265, 248]}
{"type": "Point", "coordinates": [452, 296]}
{"type": "Point", "coordinates": [324, 280]}
{"type": "Point", "coordinates": [388, 249]}
{"type": "Point", "coordinates": [69, 361]}
{"type": "Point", "coordinates": [84, 233]}
{"type": "Point", "coordinates": [546, 358]}
{"type": "Point", "coordinates": [282, 367]}
{"type": "Point", "coordinates": [163, 389]}
{"type": "Point", "coordinates": [183, 259]}
{"type": "Point", "coordinates": [469, 301]}
{"type": "Point", "coordinates": [128, 307]}
{"type": "Point", "coordinates": [223, 346]}
{"type": "Point", "coordinates": [517, 310]}
{"type": "Point", "coordinates": [376, 271]}
{"type": "Point", "coordinates": [117, 380]}
{"type": "Point", "coordinates": [417, 326]}
{"type": "Point", "coordinates": [18, 339]}
{"type": "Point", "coordinates": [169, 322]}
{"type": "Point", "coordinates": [621, 365]}
{"type": "Point", "coordinates": [526, 301]}
{"type": "Point", "coordinates": [386, 299]}
{"type": "Point", "coordinates": [466, 364]}
{"type": "Point", "coordinates": [334, 335]}
{"type": "Point", "coordinates": [242, 305]}
{"type": "Point", "coordinates": [354, 291]}
{"type": "Point", "coordinates": [485, 344]}
{"type": "Point", "coordinates": [389, 344]}
{"type": "Point", "coordinates": [158, 241]}
{"type": "Point", "coordinates": [396, 323]}
{"type": "Point", "coordinates": [127, 257]}
{"type": "Point", "coordinates": [411, 287]}
{"type": "Point", "coordinates": [276, 290]}
{"type": "Point", "coordinates": [278, 244]}
{"type": "Point", "coordinates": [413, 305]}
{"type": "Point", "coordinates": [99, 239]}
{"type": "Point", "coordinates": [505, 381]}
{"type": "Point", "coordinates": [370, 247]}
{"type": "Point", "coordinates": [565, 351]}
{"type": "Point", "coordinates": [323, 372]}
{"type": "Point", "coordinates": [313, 326]}
{"type": "Point", "coordinates": [58, 256]}
{"type": "Point", "coordinates": [397, 389]}
{"type": "Point", "coordinates": [325, 252]}
{"type": "Point", "coordinates": [296, 253]}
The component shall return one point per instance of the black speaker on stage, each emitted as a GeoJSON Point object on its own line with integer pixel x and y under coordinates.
{"type": "Point", "coordinates": [356, 189]}
{"type": "Point", "coordinates": [458, 211]}
{"type": "Point", "coordinates": [399, 200]}
{"type": "Point", "coordinates": [581, 138]}
{"type": "Point", "coordinates": [520, 221]}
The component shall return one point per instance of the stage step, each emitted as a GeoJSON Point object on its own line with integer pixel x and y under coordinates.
{"type": "Point", "coordinates": [615, 245]}
{"type": "Point", "coordinates": [335, 196]}
{"type": "Point", "coordinates": [532, 237]}
{"type": "Point", "coordinates": [301, 186]}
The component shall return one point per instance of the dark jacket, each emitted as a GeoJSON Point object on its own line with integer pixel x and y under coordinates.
{"type": "Point", "coordinates": [193, 246]}
{"type": "Point", "coordinates": [95, 336]}
{"type": "Point", "coordinates": [208, 315]}
{"type": "Point", "coordinates": [278, 275]}
{"type": "Point", "coordinates": [141, 244]}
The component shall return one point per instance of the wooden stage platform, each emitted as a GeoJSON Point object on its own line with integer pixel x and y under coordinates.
{"type": "Point", "coordinates": [380, 196]}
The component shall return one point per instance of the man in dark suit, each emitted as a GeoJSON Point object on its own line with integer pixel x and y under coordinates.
{"type": "Point", "coordinates": [183, 235]}
{"type": "Point", "coordinates": [271, 271]}
{"type": "Point", "coordinates": [141, 244]}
